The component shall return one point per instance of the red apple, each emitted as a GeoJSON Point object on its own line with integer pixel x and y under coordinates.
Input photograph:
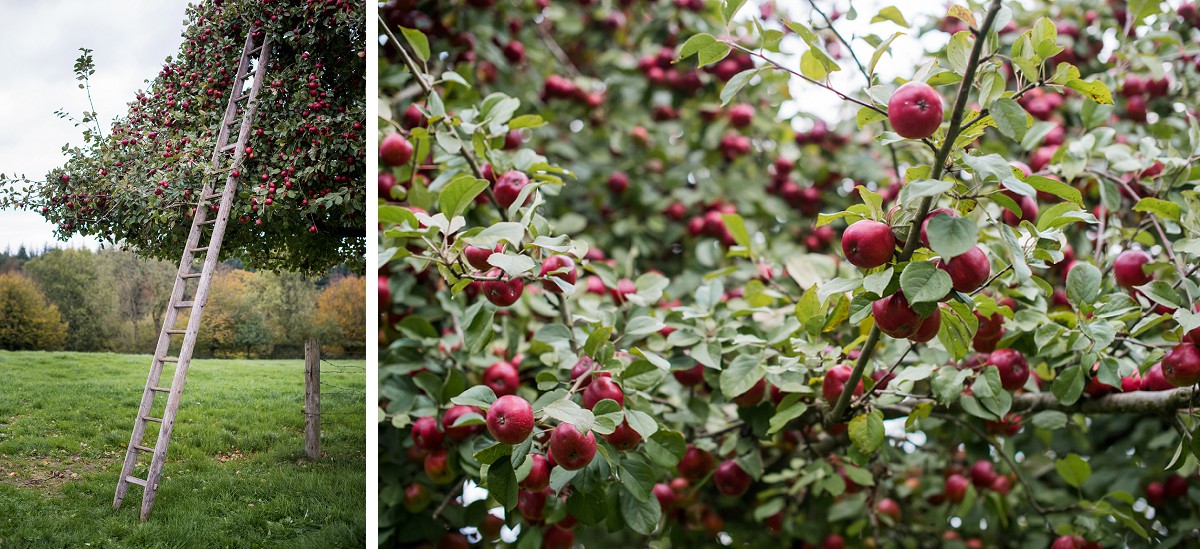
{"type": "Point", "coordinates": [956, 488]}
{"type": "Point", "coordinates": [741, 115]}
{"type": "Point", "coordinates": [730, 479]}
{"type": "Point", "coordinates": [665, 495]}
{"type": "Point", "coordinates": [437, 466]}
{"type": "Point", "coordinates": [623, 437]}
{"type": "Point", "coordinates": [895, 317]}
{"type": "Point", "coordinates": [557, 538]}
{"type": "Point", "coordinates": [562, 263]}
{"type": "Point", "coordinates": [395, 150]}
{"type": "Point", "coordinates": [510, 419]}
{"type": "Point", "coordinates": [503, 293]}
{"type": "Point", "coordinates": [385, 294]}
{"type": "Point", "coordinates": [690, 377]}
{"type": "Point", "coordinates": [478, 257]}
{"type": "Point", "coordinates": [752, 396]}
{"type": "Point", "coordinates": [571, 449]}
{"type": "Point", "coordinates": [416, 497]}
{"type": "Point", "coordinates": [983, 474]}
{"type": "Point", "coordinates": [452, 415]}
{"type": "Point", "coordinates": [532, 505]}
{"type": "Point", "coordinates": [508, 187]}
{"type": "Point", "coordinates": [915, 110]}
{"type": "Point", "coordinates": [584, 366]}
{"type": "Point", "coordinates": [1156, 380]}
{"type": "Point", "coordinates": [835, 382]}
{"type": "Point", "coordinates": [539, 473]}
{"type": "Point", "coordinates": [868, 244]}
{"type": "Point", "coordinates": [600, 389]}
{"type": "Point", "coordinates": [618, 182]}
{"type": "Point", "coordinates": [929, 327]}
{"type": "Point", "coordinates": [1014, 369]}
{"type": "Point", "coordinates": [501, 378]}
{"type": "Point", "coordinates": [695, 463]}
{"type": "Point", "coordinates": [425, 433]}
{"type": "Point", "coordinates": [1128, 268]}
{"type": "Point", "coordinates": [1181, 365]}
{"type": "Point", "coordinates": [967, 271]}
{"type": "Point", "coordinates": [1029, 210]}
{"type": "Point", "coordinates": [889, 508]}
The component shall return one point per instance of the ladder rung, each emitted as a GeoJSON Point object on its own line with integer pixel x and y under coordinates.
{"type": "Point", "coordinates": [160, 389]}
{"type": "Point", "coordinates": [190, 275]}
{"type": "Point", "coordinates": [176, 332]}
{"type": "Point", "coordinates": [168, 359]}
{"type": "Point", "coordinates": [143, 448]}
{"type": "Point", "coordinates": [208, 221]}
{"type": "Point", "coordinates": [135, 480]}
{"type": "Point", "coordinates": [200, 249]}
{"type": "Point", "coordinates": [229, 147]}
{"type": "Point", "coordinates": [154, 419]}
{"type": "Point", "coordinates": [210, 196]}
{"type": "Point", "coordinates": [185, 305]}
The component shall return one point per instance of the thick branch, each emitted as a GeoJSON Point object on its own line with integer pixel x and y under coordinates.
{"type": "Point", "coordinates": [1137, 402]}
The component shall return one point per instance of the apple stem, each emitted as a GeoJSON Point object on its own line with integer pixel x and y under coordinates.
{"type": "Point", "coordinates": [914, 232]}
{"type": "Point", "coordinates": [565, 312]}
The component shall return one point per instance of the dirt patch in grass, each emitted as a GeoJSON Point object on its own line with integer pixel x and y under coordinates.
{"type": "Point", "coordinates": [45, 474]}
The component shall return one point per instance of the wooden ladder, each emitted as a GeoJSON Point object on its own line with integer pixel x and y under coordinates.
{"type": "Point", "coordinates": [240, 110]}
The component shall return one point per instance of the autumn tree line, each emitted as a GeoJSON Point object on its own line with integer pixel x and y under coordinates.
{"type": "Point", "coordinates": [113, 301]}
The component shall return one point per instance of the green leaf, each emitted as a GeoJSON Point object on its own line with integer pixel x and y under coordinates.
{"type": "Point", "coordinates": [641, 516]}
{"type": "Point", "coordinates": [417, 40]}
{"type": "Point", "coordinates": [1073, 469]}
{"type": "Point", "coordinates": [478, 326]}
{"type": "Point", "coordinates": [1160, 208]}
{"type": "Point", "coordinates": [958, 51]}
{"type": "Point", "coordinates": [513, 265]}
{"type": "Point", "coordinates": [922, 282]}
{"type": "Point", "coordinates": [737, 228]}
{"type": "Point", "coordinates": [741, 374]}
{"type": "Point", "coordinates": [506, 231]}
{"type": "Point", "coordinates": [790, 408]}
{"type": "Point", "coordinates": [880, 50]}
{"type": "Point", "coordinates": [811, 66]}
{"type": "Point", "coordinates": [867, 115]}
{"type": "Point", "coordinates": [1163, 294]}
{"type": "Point", "coordinates": [705, 47]}
{"type": "Point", "coordinates": [866, 431]}
{"type": "Point", "coordinates": [735, 85]}
{"type": "Point", "coordinates": [952, 236]}
{"type": "Point", "coordinates": [641, 422]}
{"type": "Point", "coordinates": [923, 188]}
{"type": "Point", "coordinates": [665, 448]}
{"type": "Point", "coordinates": [730, 8]}
{"type": "Point", "coordinates": [526, 121]}
{"type": "Point", "coordinates": [569, 412]}
{"type": "Point", "coordinates": [1083, 284]}
{"type": "Point", "coordinates": [598, 337]}
{"type": "Point", "coordinates": [459, 194]}
{"type": "Point", "coordinates": [1011, 119]}
{"type": "Point", "coordinates": [1068, 386]}
{"type": "Point", "coordinates": [491, 454]}
{"type": "Point", "coordinates": [502, 483]}
{"type": "Point", "coordinates": [478, 395]}
{"type": "Point", "coordinates": [892, 14]}
{"type": "Point", "coordinates": [1057, 188]}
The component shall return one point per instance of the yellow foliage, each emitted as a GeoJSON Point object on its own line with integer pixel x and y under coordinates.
{"type": "Point", "coordinates": [27, 320]}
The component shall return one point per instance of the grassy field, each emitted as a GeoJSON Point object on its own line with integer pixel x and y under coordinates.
{"type": "Point", "coordinates": [236, 474]}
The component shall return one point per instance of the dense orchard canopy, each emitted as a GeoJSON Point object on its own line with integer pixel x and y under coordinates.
{"type": "Point", "coordinates": [301, 192]}
{"type": "Point", "coordinates": [638, 307]}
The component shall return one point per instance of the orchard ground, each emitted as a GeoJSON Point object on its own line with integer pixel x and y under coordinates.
{"type": "Point", "coordinates": [235, 472]}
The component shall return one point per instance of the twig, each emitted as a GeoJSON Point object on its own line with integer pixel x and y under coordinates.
{"type": "Point", "coordinates": [565, 312]}
{"type": "Point", "coordinates": [817, 83]}
{"type": "Point", "coordinates": [449, 497]}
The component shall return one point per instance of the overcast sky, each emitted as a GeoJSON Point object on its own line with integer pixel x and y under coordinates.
{"type": "Point", "coordinates": [130, 40]}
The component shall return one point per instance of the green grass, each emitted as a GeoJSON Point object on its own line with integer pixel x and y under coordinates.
{"type": "Point", "coordinates": [236, 474]}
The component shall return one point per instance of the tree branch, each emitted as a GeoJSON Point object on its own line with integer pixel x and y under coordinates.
{"type": "Point", "coordinates": [1137, 402]}
{"type": "Point", "coordinates": [914, 232]}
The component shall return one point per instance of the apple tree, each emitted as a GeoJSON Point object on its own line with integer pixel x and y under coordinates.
{"type": "Point", "coordinates": [628, 299]}
{"type": "Point", "coordinates": [301, 190]}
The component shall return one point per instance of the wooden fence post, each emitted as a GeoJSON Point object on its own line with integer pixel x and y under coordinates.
{"type": "Point", "coordinates": [312, 398]}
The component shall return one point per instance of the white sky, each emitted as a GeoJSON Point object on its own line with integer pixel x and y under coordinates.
{"type": "Point", "coordinates": [130, 40]}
